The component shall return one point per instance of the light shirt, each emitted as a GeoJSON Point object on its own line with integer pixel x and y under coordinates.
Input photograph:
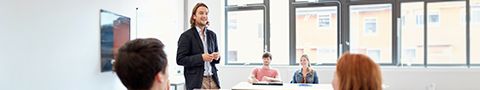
{"type": "Point", "coordinates": [207, 66]}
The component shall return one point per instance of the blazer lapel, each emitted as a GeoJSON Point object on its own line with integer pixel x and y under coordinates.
{"type": "Point", "coordinates": [197, 38]}
{"type": "Point", "coordinates": [209, 41]}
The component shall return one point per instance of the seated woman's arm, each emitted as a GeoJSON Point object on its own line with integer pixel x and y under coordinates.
{"type": "Point", "coordinates": [315, 77]}
{"type": "Point", "coordinates": [293, 79]}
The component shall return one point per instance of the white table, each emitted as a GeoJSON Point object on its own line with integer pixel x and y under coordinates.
{"type": "Point", "coordinates": [285, 86]}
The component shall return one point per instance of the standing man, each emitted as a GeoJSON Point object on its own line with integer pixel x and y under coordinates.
{"type": "Point", "coordinates": [198, 52]}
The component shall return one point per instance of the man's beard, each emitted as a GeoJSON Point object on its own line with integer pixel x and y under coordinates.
{"type": "Point", "coordinates": [202, 23]}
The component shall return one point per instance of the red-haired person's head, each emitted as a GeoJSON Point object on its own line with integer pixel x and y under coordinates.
{"type": "Point", "coordinates": [357, 72]}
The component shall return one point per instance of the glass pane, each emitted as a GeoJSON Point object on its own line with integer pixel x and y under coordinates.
{"type": "Point", "coordinates": [243, 2]}
{"type": "Point", "coordinates": [245, 36]}
{"type": "Point", "coordinates": [316, 34]}
{"type": "Point", "coordinates": [446, 41]}
{"type": "Point", "coordinates": [279, 32]}
{"type": "Point", "coordinates": [475, 31]}
{"type": "Point", "coordinates": [371, 31]}
{"type": "Point", "coordinates": [412, 33]}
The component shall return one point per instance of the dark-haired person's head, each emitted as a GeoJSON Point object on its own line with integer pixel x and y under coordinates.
{"type": "Point", "coordinates": [142, 65]}
{"type": "Point", "coordinates": [199, 15]}
{"type": "Point", "coordinates": [267, 58]}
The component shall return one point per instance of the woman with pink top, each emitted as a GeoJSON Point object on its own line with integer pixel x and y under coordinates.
{"type": "Point", "coordinates": [265, 73]}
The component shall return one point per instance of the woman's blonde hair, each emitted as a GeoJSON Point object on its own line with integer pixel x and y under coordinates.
{"type": "Point", "coordinates": [358, 72]}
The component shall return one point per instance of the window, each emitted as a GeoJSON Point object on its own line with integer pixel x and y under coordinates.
{"type": "Point", "coordinates": [403, 21]}
{"type": "Point", "coordinates": [326, 55]}
{"type": "Point", "coordinates": [412, 34]}
{"type": "Point", "coordinates": [317, 41]}
{"type": "Point", "coordinates": [372, 18]}
{"type": "Point", "coordinates": [245, 29]}
{"type": "Point", "coordinates": [419, 19]}
{"type": "Point", "coordinates": [475, 32]}
{"type": "Point", "coordinates": [448, 45]}
{"type": "Point", "coordinates": [232, 24]}
{"type": "Point", "coordinates": [409, 56]}
{"type": "Point", "coordinates": [291, 29]}
{"type": "Point", "coordinates": [433, 18]}
{"type": "Point", "coordinates": [323, 21]}
{"type": "Point", "coordinates": [232, 56]}
{"type": "Point", "coordinates": [370, 26]}
{"type": "Point", "coordinates": [374, 54]}
{"type": "Point", "coordinates": [475, 15]}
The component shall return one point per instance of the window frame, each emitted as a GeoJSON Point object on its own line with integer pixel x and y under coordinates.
{"type": "Point", "coordinates": [305, 4]}
{"type": "Point", "coordinates": [343, 27]}
{"type": "Point", "coordinates": [425, 29]}
{"type": "Point", "coordinates": [266, 22]}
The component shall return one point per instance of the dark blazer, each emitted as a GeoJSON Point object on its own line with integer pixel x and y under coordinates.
{"type": "Point", "coordinates": [189, 55]}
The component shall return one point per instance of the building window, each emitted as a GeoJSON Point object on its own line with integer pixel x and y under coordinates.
{"type": "Point", "coordinates": [402, 21]}
{"type": "Point", "coordinates": [475, 15]}
{"type": "Point", "coordinates": [446, 42]}
{"type": "Point", "coordinates": [370, 26]}
{"type": "Point", "coordinates": [232, 24]}
{"type": "Point", "coordinates": [433, 18]}
{"type": "Point", "coordinates": [323, 21]}
{"type": "Point", "coordinates": [419, 20]}
{"type": "Point", "coordinates": [374, 54]}
{"type": "Point", "coordinates": [232, 56]}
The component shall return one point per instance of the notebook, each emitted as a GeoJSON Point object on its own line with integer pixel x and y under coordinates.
{"type": "Point", "coordinates": [268, 83]}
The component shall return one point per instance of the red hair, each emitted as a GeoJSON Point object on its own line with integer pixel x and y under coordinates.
{"type": "Point", "coordinates": [358, 72]}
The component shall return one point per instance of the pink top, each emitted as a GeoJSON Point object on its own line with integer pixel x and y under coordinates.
{"type": "Point", "coordinates": [264, 71]}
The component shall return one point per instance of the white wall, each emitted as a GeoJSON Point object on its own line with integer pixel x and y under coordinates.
{"type": "Point", "coordinates": [54, 44]}
{"type": "Point", "coordinates": [162, 19]}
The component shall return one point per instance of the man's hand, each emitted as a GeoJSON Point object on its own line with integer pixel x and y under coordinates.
{"type": "Point", "coordinates": [266, 78]}
{"type": "Point", "coordinates": [252, 79]}
{"type": "Point", "coordinates": [216, 55]}
{"type": "Point", "coordinates": [207, 57]}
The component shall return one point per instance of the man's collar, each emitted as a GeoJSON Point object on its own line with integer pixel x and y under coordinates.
{"type": "Point", "coordinates": [198, 29]}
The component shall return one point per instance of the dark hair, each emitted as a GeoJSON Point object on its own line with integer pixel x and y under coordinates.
{"type": "Point", "coordinates": [267, 55]}
{"type": "Point", "coordinates": [139, 61]}
{"type": "Point", "coordinates": [192, 21]}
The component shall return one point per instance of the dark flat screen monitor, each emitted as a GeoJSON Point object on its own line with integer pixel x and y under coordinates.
{"type": "Point", "coordinates": [114, 32]}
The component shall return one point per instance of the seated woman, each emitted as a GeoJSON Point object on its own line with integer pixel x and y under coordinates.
{"type": "Point", "coordinates": [265, 73]}
{"type": "Point", "coordinates": [306, 74]}
{"type": "Point", "coordinates": [357, 72]}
